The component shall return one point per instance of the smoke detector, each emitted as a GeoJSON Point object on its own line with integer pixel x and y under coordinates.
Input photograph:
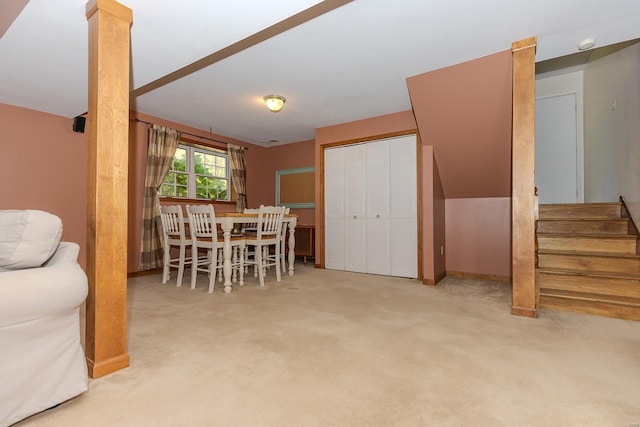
{"type": "Point", "coordinates": [587, 44]}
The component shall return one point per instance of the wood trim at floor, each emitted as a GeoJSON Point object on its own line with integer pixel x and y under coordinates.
{"type": "Point", "coordinates": [479, 276]}
{"type": "Point", "coordinates": [524, 312]}
{"type": "Point", "coordinates": [430, 282]}
{"type": "Point", "coordinates": [144, 273]}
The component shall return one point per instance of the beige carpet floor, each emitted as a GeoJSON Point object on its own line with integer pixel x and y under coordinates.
{"type": "Point", "coordinates": [326, 348]}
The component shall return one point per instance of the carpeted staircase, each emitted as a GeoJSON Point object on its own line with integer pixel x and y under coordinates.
{"type": "Point", "coordinates": [588, 260]}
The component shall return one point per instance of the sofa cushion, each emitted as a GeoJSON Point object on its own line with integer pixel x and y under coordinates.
{"type": "Point", "coordinates": [28, 238]}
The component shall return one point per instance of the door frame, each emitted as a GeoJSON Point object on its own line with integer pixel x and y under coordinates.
{"type": "Point", "coordinates": [320, 258]}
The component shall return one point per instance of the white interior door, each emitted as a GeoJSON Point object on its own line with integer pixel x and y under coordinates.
{"type": "Point", "coordinates": [355, 219]}
{"type": "Point", "coordinates": [378, 189]}
{"type": "Point", "coordinates": [334, 205]}
{"type": "Point", "coordinates": [556, 158]}
{"type": "Point", "coordinates": [403, 202]}
{"type": "Point", "coordinates": [371, 207]}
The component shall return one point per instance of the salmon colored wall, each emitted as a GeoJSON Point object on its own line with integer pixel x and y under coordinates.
{"type": "Point", "coordinates": [433, 219]}
{"type": "Point", "coordinates": [353, 131]}
{"type": "Point", "coordinates": [428, 265]}
{"type": "Point", "coordinates": [464, 111]}
{"type": "Point", "coordinates": [262, 174]}
{"type": "Point", "coordinates": [262, 164]}
{"type": "Point", "coordinates": [479, 236]}
{"type": "Point", "coordinates": [439, 229]}
{"type": "Point", "coordinates": [44, 167]}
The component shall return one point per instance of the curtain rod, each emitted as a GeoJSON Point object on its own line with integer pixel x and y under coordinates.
{"type": "Point", "coordinates": [191, 134]}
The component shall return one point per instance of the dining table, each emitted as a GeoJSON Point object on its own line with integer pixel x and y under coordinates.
{"type": "Point", "coordinates": [233, 221]}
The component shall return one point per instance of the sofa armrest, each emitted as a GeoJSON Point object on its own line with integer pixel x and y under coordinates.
{"type": "Point", "coordinates": [67, 252]}
{"type": "Point", "coordinates": [34, 293]}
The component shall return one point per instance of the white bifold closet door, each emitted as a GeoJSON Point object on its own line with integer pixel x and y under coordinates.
{"type": "Point", "coordinates": [371, 207]}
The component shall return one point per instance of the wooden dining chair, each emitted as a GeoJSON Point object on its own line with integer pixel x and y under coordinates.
{"type": "Point", "coordinates": [204, 235]}
{"type": "Point", "coordinates": [268, 233]}
{"type": "Point", "coordinates": [173, 235]}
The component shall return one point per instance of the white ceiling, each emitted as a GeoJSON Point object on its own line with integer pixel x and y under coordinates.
{"type": "Point", "coordinates": [348, 64]}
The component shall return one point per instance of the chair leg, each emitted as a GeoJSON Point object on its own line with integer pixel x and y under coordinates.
{"type": "Point", "coordinates": [195, 260]}
{"type": "Point", "coordinates": [241, 249]}
{"type": "Point", "coordinates": [234, 261]}
{"type": "Point", "coordinates": [165, 268]}
{"type": "Point", "coordinates": [255, 261]}
{"type": "Point", "coordinates": [246, 260]}
{"type": "Point", "coordinates": [213, 268]}
{"type": "Point", "coordinates": [259, 265]}
{"type": "Point", "coordinates": [265, 256]}
{"type": "Point", "coordinates": [283, 260]}
{"type": "Point", "coordinates": [277, 262]}
{"type": "Point", "coordinates": [220, 265]}
{"type": "Point", "coordinates": [183, 251]}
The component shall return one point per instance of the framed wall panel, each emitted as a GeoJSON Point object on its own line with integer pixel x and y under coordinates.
{"type": "Point", "coordinates": [295, 187]}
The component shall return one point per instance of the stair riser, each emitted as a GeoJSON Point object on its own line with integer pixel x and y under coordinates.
{"type": "Point", "coordinates": [589, 263]}
{"type": "Point", "coordinates": [610, 245]}
{"type": "Point", "coordinates": [620, 227]}
{"type": "Point", "coordinates": [590, 284]}
{"type": "Point", "coordinates": [580, 211]}
{"type": "Point", "coordinates": [598, 308]}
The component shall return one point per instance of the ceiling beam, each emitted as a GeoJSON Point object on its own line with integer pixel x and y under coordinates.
{"type": "Point", "coordinates": [252, 40]}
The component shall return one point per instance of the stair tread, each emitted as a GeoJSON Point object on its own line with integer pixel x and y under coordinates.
{"type": "Point", "coordinates": [587, 296]}
{"type": "Point", "coordinates": [608, 210]}
{"type": "Point", "coordinates": [599, 271]}
{"type": "Point", "coordinates": [587, 253]}
{"type": "Point", "coordinates": [584, 219]}
{"type": "Point", "coordinates": [591, 235]}
{"type": "Point", "coordinates": [542, 218]}
{"type": "Point", "coordinates": [603, 274]}
{"type": "Point", "coordinates": [583, 204]}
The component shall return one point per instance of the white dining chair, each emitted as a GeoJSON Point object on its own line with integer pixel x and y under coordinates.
{"type": "Point", "coordinates": [268, 233]}
{"type": "Point", "coordinates": [173, 235]}
{"type": "Point", "coordinates": [204, 235]}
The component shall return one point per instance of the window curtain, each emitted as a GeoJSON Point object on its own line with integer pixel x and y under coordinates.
{"type": "Point", "coordinates": [238, 175]}
{"type": "Point", "coordinates": [163, 143]}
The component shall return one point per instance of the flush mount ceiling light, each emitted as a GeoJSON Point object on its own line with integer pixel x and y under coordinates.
{"type": "Point", "coordinates": [274, 102]}
{"type": "Point", "coordinates": [587, 44]}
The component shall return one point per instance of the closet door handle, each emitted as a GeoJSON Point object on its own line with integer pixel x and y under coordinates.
{"type": "Point", "coordinates": [377, 215]}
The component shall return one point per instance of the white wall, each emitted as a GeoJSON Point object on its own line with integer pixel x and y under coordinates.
{"type": "Point", "coordinates": [612, 126]}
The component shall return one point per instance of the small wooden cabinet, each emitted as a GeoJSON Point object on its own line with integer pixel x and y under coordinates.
{"type": "Point", "coordinates": [305, 241]}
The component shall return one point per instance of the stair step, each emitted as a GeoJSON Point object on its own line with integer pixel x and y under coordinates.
{"type": "Point", "coordinates": [589, 261]}
{"type": "Point", "coordinates": [581, 210]}
{"type": "Point", "coordinates": [580, 302]}
{"type": "Point", "coordinates": [597, 283]}
{"type": "Point", "coordinates": [615, 226]}
{"type": "Point", "coordinates": [611, 244]}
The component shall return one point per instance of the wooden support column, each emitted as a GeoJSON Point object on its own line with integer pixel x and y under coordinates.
{"type": "Point", "coordinates": [523, 187]}
{"type": "Point", "coordinates": [108, 123]}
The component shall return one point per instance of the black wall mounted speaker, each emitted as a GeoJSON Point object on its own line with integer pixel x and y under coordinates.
{"type": "Point", "coordinates": [78, 124]}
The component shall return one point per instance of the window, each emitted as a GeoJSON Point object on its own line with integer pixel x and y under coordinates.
{"type": "Point", "coordinates": [197, 173]}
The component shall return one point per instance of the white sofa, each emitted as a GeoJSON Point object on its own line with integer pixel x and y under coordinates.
{"type": "Point", "coordinates": [42, 288]}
